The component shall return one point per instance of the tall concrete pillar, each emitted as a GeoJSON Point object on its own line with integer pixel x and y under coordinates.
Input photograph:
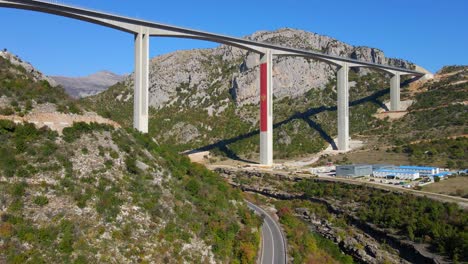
{"type": "Point", "coordinates": [343, 106]}
{"type": "Point", "coordinates": [266, 109]}
{"type": "Point", "coordinates": [395, 92]}
{"type": "Point", "coordinates": [140, 106]}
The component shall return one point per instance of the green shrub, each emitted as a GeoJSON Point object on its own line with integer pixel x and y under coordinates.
{"type": "Point", "coordinates": [108, 164]}
{"type": "Point", "coordinates": [8, 161]}
{"type": "Point", "coordinates": [108, 203]}
{"type": "Point", "coordinates": [7, 126]}
{"type": "Point", "coordinates": [41, 200]}
{"type": "Point", "coordinates": [193, 187]}
{"type": "Point", "coordinates": [84, 150]}
{"type": "Point", "coordinates": [70, 134]}
{"type": "Point", "coordinates": [113, 154]}
{"type": "Point", "coordinates": [67, 236]}
{"type": "Point", "coordinates": [130, 164]}
{"type": "Point", "coordinates": [69, 107]}
{"type": "Point", "coordinates": [7, 111]}
{"type": "Point", "coordinates": [19, 189]}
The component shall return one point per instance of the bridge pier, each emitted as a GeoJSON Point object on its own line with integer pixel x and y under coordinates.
{"type": "Point", "coordinates": [140, 106]}
{"type": "Point", "coordinates": [266, 109]}
{"type": "Point", "coordinates": [343, 106]}
{"type": "Point", "coordinates": [395, 92]}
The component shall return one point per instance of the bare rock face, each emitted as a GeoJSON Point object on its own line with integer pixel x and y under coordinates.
{"type": "Point", "coordinates": [175, 72]}
{"type": "Point", "coordinates": [184, 132]}
{"type": "Point", "coordinates": [37, 75]}
{"type": "Point", "coordinates": [192, 74]}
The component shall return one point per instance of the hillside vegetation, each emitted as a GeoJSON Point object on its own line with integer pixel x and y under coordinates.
{"type": "Point", "coordinates": [433, 132]}
{"type": "Point", "coordinates": [435, 128]}
{"type": "Point", "coordinates": [422, 220]}
{"type": "Point", "coordinates": [20, 91]}
{"type": "Point", "coordinates": [97, 194]}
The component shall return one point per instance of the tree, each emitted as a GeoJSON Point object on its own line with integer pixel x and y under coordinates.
{"type": "Point", "coordinates": [410, 232]}
{"type": "Point", "coordinates": [450, 164]}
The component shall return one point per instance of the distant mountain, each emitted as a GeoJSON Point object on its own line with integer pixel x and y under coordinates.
{"type": "Point", "coordinates": [93, 84]}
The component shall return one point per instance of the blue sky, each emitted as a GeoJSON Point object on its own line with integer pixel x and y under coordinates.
{"type": "Point", "coordinates": [429, 33]}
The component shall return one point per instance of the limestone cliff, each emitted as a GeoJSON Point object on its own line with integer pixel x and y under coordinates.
{"type": "Point", "coordinates": [190, 71]}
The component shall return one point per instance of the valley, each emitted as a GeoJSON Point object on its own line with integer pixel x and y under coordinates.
{"type": "Point", "coordinates": [79, 185]}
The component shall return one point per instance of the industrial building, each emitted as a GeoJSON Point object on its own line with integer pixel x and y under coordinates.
{"type": "Point", "coordinates": [396, 174]}
{"type": "Point", "coordinates": [383, 167]}
{"type": "Point", "coordinates": [388, 171]}
{"type": "Point", "coordinates": [355, 170]}
{"type": "Point", "coordinates": [423, 171]}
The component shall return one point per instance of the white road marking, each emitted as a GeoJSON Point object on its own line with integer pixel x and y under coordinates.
{"type": "Point", "coordinates": [273, 243]}
{"type": "Point", "coordinates": [271, 232]}
{"type": "Point", "coordinates": [263, 245]}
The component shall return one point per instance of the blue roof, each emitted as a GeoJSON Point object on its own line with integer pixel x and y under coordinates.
{"type": "Point", "coordinates": [396, 171]}
{"type": "Point", "coordinates": [444, 173]}
{"type": "Point", "coordinates": [417, 168]}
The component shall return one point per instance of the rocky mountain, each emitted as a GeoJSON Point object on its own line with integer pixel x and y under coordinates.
{"type": "Point", "coordinates": [213, 94]}
{"type": "Point", "coordinates": [93, 84]}
{"type": "Point", "coordinates": [96, 193]}
{"type": "Point", "coordinates": [28, 68]}
{"type": "Point", "coordinates": [190, 71]}
{"type": "Point", "coordinates": [23, 88]}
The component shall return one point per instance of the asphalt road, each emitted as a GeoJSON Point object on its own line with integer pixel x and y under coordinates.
{"type": "Point", "coordinates": [273, 246]}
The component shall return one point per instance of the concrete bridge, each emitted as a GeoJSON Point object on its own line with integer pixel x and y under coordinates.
{"type": "Point", "coordinates": [143, 30]}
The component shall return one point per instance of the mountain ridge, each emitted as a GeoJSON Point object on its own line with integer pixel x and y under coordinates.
{"type": "Point", "coordinates": [89, 85]}
{"type": "Point", "coordinates": [165, 78]}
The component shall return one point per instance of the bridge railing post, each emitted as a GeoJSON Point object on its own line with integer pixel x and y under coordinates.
{"type": "Point", "coordinates": [343, 106]}
{"type": "Point", "coordinates": [266, 109]}
{"type": "Point", "coordinates": [395, 92]}
{"type": "Point", "coordinates": [141, 85]}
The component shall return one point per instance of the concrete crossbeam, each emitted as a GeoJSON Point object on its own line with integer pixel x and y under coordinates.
{"type": "Point", "coordinates": [343, 106]}
{"type": "Point", "coordinates": [395, 92]}
{"type": "Point", "coordinates": [266, 109]}
{"type": "Point", "coordinates": [140, 106]}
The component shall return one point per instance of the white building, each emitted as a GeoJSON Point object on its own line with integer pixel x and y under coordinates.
{"type": "Point", "coordinates": [424, 171]}
{"type": "Point", "coordinates": [398, 174]}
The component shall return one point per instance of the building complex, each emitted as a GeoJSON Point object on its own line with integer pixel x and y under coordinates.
{"type": "Point", "coordinates": [389, 171]}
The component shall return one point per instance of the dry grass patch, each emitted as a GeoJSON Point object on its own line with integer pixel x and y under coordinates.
{"type": "Point", "coordinates": [456, 186]}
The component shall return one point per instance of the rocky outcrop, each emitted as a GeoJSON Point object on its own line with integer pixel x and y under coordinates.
{"type": "Point", "coordinates": [89, 85]}
{"type": "Point", "coordinates": [183, 132]}
{"type": "Point", "coordinates": [355, 243]}
{"type": "Point", "coordinates": [197, 76]}
{"type": "Point", "coordinates": [36, 75]}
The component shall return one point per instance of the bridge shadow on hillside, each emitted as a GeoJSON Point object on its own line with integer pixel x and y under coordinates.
{"type": "Point", "coordinates": [223, 145]}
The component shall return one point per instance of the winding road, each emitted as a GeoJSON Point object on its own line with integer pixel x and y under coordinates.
{"type": "Point", "coordinates": [273, 246]}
